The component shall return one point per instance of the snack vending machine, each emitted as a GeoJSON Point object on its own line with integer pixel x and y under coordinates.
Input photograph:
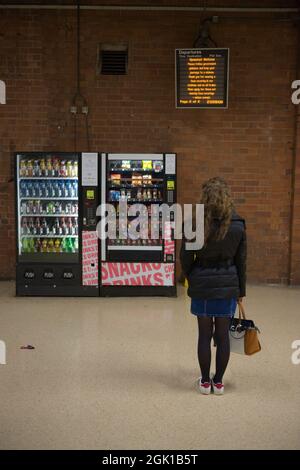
{"type": "Point", "coordinates": [57, 245]}
{"type": "Point", "coordinates": [144, 265]}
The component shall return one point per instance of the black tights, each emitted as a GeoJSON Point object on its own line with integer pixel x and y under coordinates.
{"type": "Point", "coordinates": [221, 336]}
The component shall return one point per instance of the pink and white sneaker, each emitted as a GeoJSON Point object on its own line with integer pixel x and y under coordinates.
{"type": "Point", "coordinates": [218, 388]}
{"type": "Point", "coordinates": [204, 387]}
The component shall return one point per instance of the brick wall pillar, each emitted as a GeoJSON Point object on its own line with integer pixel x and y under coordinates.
{"type": "Point", "coordinates": [294, 274]}
{"type": "Point", "coordinates": [295, 229]}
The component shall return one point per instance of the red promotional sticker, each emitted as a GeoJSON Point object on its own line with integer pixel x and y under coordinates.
{"type": "Point", "coordinates": [89, 259]}
{"type": "Point", "coordinates": [137, 274]}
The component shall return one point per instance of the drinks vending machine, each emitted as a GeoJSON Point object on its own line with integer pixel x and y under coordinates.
{"type": "Point", "coordinates": [53, 227]}
{"type": "Point", "coordinates": [59, 251]}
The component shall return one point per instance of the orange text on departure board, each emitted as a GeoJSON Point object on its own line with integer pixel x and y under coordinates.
{"type": "Point", "coordinates": [202, 84]}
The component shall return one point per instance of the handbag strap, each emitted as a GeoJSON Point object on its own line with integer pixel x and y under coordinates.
{"type": "Point", "coordinates": [241, 312]}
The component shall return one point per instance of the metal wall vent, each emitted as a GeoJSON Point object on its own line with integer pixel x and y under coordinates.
{"type": "Point", "coordinates": [112, 60]}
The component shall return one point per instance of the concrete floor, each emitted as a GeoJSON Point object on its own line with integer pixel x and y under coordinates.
{"type": "Point", "coordinates": [120, 374]}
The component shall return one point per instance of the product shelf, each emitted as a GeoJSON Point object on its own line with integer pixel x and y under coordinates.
{"type": "Point", "coordinates": [131, 170]}
{"type": "Point", "coordinates": [41, 215]}
{"type": "Point", "coordinates": [57, 178]}
{"type": "Point", "coordinates": [48, 236]}
{"type": "Point", "coordinates": [37, 198]}
{"type": "Point", "coordinates": [134, 201]}
{"type": "Point", "coordinates": [132, 187]}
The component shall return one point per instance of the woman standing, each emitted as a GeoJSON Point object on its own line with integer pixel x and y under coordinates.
{"type": "Point", "coordinates": [216, 276]}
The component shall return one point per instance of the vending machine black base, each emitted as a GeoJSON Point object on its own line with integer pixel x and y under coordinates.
{"type": "Point", "coordinates": [52, 280]}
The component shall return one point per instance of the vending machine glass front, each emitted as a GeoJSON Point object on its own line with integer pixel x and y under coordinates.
{"type": "Point", "coordinates": [47, 207]}
{"type": "Point", "coordinates": [137, 181]}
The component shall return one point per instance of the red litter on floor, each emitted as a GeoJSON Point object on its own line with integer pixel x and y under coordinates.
{"type": "Point", "coordinates": [27, 347]}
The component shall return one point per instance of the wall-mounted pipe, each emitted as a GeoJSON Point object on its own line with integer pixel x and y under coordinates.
{"type": "Point", "coordinates": [153, 8]}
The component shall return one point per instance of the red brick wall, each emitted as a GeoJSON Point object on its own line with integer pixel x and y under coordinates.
{"type": "Point", "coordinates": [250, 143]}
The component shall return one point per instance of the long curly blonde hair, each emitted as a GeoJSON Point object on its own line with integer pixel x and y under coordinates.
{"type": "Point", "coordinates": [218, 204]}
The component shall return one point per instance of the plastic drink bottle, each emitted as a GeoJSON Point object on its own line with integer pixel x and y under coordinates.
{"type": "Point", "coordinates": [23, 208]}
{"type": "Point", "coordinates": [29, 169]}
{"type": "Point", "coordinates": [69, 189]}
{"type": "Point", "coordinates": [49, 167]}
{"type": "Point", "coordinates": [25, 245]}
{"type": "Point", "coordinates": [69, 226]}
{"type": "Point", "coordinates": [52, 190]}
{"type": "Point", "coordinates": [58, 227]}
{"type": "Point", "coordinates": [22, 189]}
{"type": "Point", "coordinates": [45, 227]}
{"type": "Point", "coordinates": [57, 246]}
{"type": "Point", "coordinates": [38, 226]}
{"type": "Point", "coordinates": [36, 207]}
{"type": "Point", "coordinates": [63, 189]}
{"type": "Point", "coordinates": [34, 231]}
{"type": "Point", "coordinates": [63, 168]}
{"type": "Point", "coordinates": [54, 228]}
{"type": "Point", "coordinates": [44, 246]}
{"type": "Point", "coordinates": [75, 184]}
{"type": "Point", "coordinates": [55, 189]}
{"type": "Point", "coordinates": [37, 246]}
{"type": "Point", "coordinates": [60, 189]}
{"type": "Point", "coordinates": [42, 167]}
{"type": "Point", "coordinates": [36, 168]}
{"type": "Point", "coordinates": [75, 169]}
{"type": "Point", "coordinates": [75, 225]}
{"type": "Point", "coordinates": [47, 189]}
{"type": "Point", "coordinates": [28, 185]}
{"type": "Point", "coordinates": [56, 167]}
{"type": "Point", "coordinates": [50, 245]}
{"type": "Point", "coordinates": [63, 226]}
{"type": "Point", "coordinates": [27, 208]}
{"type": "Point", "coordinates": [24, 226]}
{"type": "Point", "coordinates": [23, 167]}
{"type": "Point", "coordinates": [30, 226]}
{"type": "Point", "coordinates": [35, 189]}
{"type": "Point", "coordinates": [72, 190]}
{"type": "Point", "coordinates": [57, 207]}
{"type": "Point", "coordinates": [70, 168]}
{"type": "Point", "coordinates": [64, 245]}
{"type": "Point", "coordinates": [70, 246]}
{"type": "Point", "coordinates": [31, 245]}
{"type": "Point", "coordinates": [42, 189]}
{"type": "Point", "coordinates": [66, 189]}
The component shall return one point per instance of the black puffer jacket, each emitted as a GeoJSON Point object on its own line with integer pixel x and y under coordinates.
{"type": "Point", "coordinates": [218, 270]}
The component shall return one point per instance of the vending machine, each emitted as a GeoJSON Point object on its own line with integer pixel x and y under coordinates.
{"type": "Point", "coordinates": [56, 202]}
{"type": "Point", "coordinates": [143, 265]}
{"type": "Point", "coordinates": [61, 247]}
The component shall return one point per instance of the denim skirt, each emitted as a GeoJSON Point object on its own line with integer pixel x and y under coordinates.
{"type": "Point", "coordinates": [214, 307]}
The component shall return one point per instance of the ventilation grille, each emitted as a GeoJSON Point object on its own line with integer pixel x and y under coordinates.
{"type": "Point", "coordinates": [113, 61]}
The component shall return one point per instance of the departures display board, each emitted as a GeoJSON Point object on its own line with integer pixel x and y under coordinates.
{"type": "Point", "coordinates": [202, 78]}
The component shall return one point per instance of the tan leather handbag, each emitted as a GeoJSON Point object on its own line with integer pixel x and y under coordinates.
{"type": "Point", "coordinates": [243, 334]}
